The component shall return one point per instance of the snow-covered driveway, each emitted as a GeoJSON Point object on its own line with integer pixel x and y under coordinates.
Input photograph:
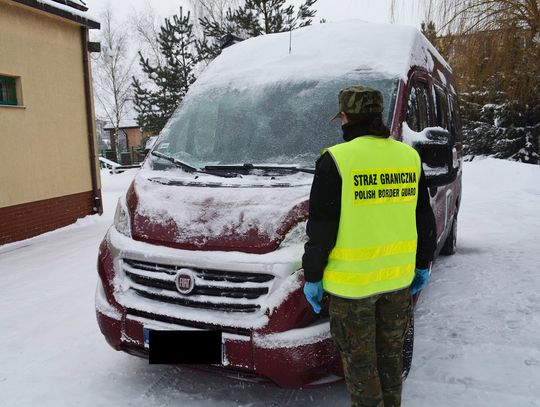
{"type": "Point", "coordinates": [477, 323]}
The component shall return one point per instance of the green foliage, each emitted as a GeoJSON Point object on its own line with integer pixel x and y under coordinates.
{"type": "Point", "coordinates": [505, 130]}
{"type": "Point", "coordinates": [170, 80]}
{"type": "Point", "coordinates": [501, 98]}
{"type": "Point", "coordinates": [254, 18]}
{"type": "Point", "coordinates": [209, 46]}
{"type": "Point", "coordinates": [493, 47]}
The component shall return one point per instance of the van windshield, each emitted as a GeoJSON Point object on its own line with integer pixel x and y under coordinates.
{"type": "Point", "coordinates": [280, 123]}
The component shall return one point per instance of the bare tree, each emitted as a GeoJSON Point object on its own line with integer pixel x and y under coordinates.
{"type": "Point", "coordinates": [214, 10]}
{"type": "Point", "coordinates": [466, 16]}
{"type": "Point", "coordinates": [113, 71]}
{"type": "Point", "coordinates": [496, 41]}
{"type": "Point", "coordinates": [397, 7]}
{"type": "Point", "coordinates": [146, 25]}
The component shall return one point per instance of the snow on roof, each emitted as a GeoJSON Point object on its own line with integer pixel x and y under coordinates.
{"type": "Point", "coordinates": [324, 51]}
{"type": "Point", "coordinates": [124, 124]}
{"type": "Point", "coordinates": [87, 18]}
{"type": "Point", "coordinates": [80, 2]}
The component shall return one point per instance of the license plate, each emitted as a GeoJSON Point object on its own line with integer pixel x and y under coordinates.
{"type": "Point", "coordinates": [184, 347]}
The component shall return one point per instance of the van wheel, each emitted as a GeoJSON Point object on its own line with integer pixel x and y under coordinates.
{"type": "Point", "coordinates": [408, 345]}
{"type": "Point", "coordinates": [450, 243]}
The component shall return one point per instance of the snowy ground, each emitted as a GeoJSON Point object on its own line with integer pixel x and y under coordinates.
{"type": "Point", "coordinates": [477, 323]}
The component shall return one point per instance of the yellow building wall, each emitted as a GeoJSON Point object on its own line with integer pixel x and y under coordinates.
{"type": "Point", "coordinates": [44, 151]}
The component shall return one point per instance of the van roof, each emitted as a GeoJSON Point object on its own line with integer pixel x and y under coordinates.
{"type": "Point", "coordinates": [324, 51]}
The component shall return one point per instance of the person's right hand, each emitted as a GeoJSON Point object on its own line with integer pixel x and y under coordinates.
{"type": "Point", "coordinates": [314, 293]}
{"type": "Point", "coordinates": [421, 278]}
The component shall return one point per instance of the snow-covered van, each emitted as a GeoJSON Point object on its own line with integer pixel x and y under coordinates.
{"type": "Point", "coordinates": [210, 234]}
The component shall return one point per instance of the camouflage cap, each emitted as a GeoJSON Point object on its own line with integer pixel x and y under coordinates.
{"type": "Point", "coordinates": [360, 99]}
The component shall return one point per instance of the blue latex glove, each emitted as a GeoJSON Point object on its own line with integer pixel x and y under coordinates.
{"type": "Point", "coordinates": [314, 293]}
{"type": "Point", "coordinates": [421, 278]}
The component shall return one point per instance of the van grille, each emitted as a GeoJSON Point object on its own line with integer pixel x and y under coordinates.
{"type": "Point", "coordinates": [220, 290]}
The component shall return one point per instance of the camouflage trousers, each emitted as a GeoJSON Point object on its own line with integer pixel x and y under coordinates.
{"type": "Point", "coordinates": [369, 334]}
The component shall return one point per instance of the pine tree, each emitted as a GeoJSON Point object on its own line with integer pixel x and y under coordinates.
{"type": "Point", "coordinates": [254, 18]}
{"type": "Point", "coordinates": [209, 46]}
{"type": "Point", "coordinates": [171, 79]}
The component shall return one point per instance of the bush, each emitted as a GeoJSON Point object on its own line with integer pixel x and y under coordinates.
{"type": "Point", "coordinates": [502, 130]}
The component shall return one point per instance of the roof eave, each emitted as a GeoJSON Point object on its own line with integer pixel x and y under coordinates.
{"type": "Point", "coordinates": [60, 13]}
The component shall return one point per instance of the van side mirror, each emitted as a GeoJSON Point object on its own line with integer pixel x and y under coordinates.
{"type": "Point", "coordinates": [437, 155]}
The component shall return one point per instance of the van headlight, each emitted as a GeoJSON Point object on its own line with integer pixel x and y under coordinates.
{"type": "Point", "coordinates": [121, 219]}
{"type": "Point", "coordinates": [297, 235]}
{"type": "Point", "coordinates": [295, 240]}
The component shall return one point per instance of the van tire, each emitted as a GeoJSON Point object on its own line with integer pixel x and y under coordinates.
{"type": "Point", "coordinates": [450, 243]}
{"type": "Point", "coordinates": [408, 346]}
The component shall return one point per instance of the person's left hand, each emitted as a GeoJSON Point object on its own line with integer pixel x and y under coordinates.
{"type": "Point", "coordinates": [314, 293]}
{"type": "Point", "coordinates": [421, 278]}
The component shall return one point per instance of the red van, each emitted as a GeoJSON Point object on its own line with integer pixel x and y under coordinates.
{"type": "Point", "coordinates": [210, 233]}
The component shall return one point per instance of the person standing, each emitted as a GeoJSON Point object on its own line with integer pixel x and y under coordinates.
{"type": "Point", "coordinates": [372, 237]}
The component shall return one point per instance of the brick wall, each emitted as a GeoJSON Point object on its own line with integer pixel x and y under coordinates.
{"type": "Point", "coordinates": [20, 222]}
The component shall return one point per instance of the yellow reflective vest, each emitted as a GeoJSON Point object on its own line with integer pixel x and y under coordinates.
{"type": "Point", "coordinates": [375, 250]}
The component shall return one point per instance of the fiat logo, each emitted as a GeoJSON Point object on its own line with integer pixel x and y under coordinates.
{"type": "Point", "coordinates": [185, 283]}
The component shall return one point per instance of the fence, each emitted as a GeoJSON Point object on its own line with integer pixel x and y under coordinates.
{"type": "Point", "coordinates": [134, 155]}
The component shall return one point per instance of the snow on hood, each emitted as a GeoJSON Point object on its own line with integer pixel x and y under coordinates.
{"type": "Point", "coordinates": [235, 217]}
{"type": "Point", "coordinates": [323, 51]}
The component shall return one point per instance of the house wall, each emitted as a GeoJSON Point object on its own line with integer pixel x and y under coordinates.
{"type": "Point", "coordinates": [45, 170]}
{"type": "Point", "coordinates": [33, 218]}
{"type": "Point", "coordinates": [134, 137]}
{"type": "Point", "coordinates": [45, 152]}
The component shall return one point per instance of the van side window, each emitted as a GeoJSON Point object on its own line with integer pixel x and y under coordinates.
{"type": "Point", "coordinates": [423, 105]}
{"type": "Point", "coordinates": [453, 124]}
{"type": "Point", "coordinates": [441, 109]}
{"type": "Point", "coordinates": [412, 111]}
{"type": "Point", "coordinates": [418, 113]}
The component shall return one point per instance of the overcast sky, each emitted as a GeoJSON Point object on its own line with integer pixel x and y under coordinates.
{"type": "Point", "coordinates": [332, 10]}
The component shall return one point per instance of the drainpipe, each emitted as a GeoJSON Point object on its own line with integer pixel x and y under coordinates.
{"type": "Point", "coordinates": [96, 193]}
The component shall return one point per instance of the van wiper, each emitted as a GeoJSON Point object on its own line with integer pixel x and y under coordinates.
{"type": "Point", "coordinates": [249, 167]}
{"type": "Point", "coordinates": [189, 168]}
{"type": "Point", "coordinates": [176, 162]}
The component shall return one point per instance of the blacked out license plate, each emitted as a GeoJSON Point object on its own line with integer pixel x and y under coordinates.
{"type": "Point", "coordinates": [184, 347]}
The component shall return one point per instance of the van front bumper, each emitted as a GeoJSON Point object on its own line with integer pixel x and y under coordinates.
{"type": "Point", "coordinates": [292, 357]}
{"type": "Point", "coordinates": [309, 357]}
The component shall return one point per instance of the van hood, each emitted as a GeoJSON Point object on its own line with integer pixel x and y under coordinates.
{"type": "Point", "coordinates": [252, 218]}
